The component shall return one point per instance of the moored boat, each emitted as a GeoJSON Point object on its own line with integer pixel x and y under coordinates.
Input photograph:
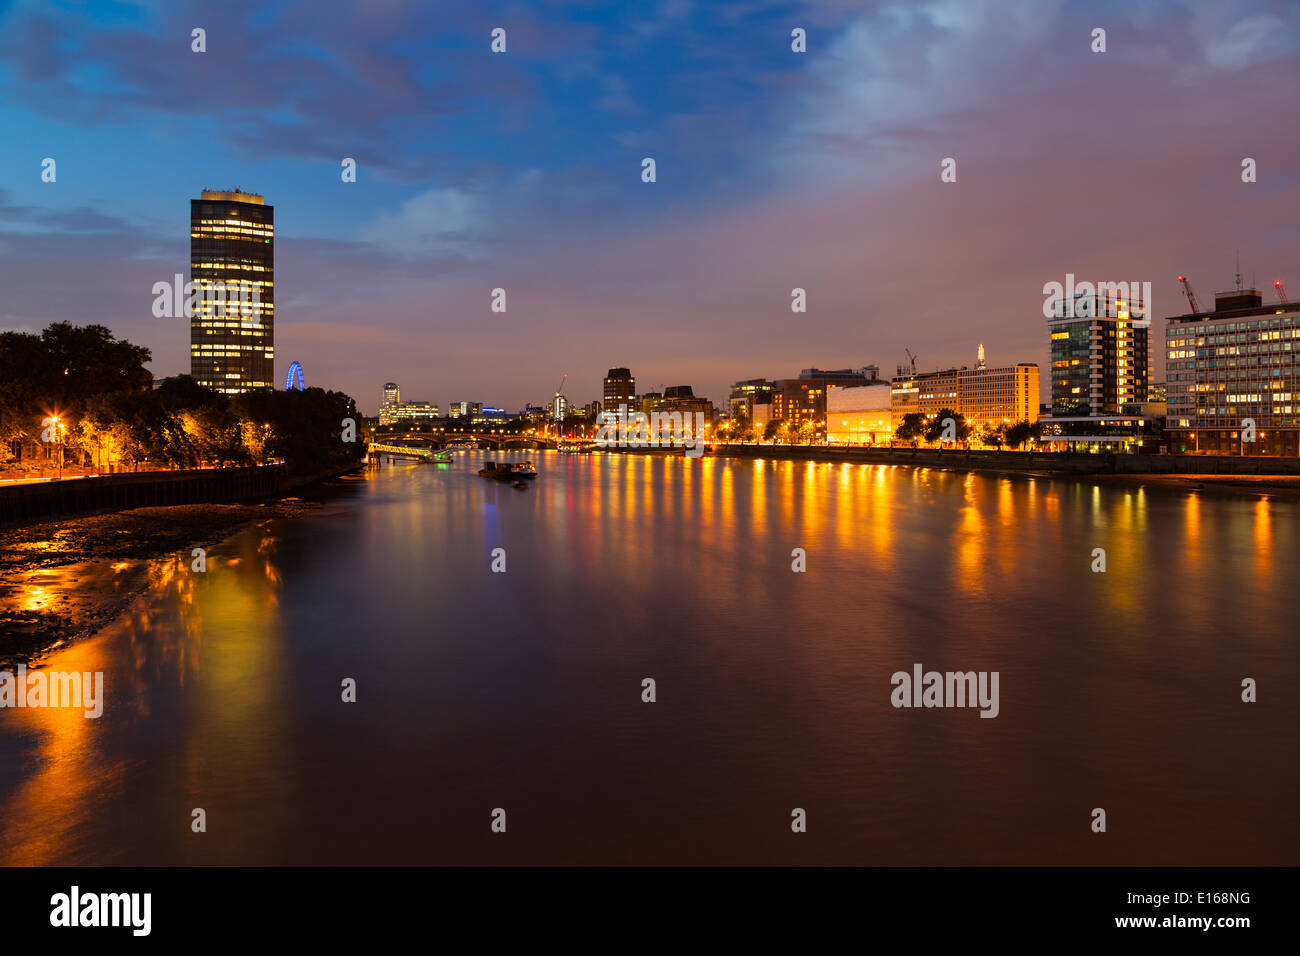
{"type": "Point", "coordinates": [508, 470]}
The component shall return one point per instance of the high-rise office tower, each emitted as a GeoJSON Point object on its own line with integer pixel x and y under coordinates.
{"type": "Point", "coordinates": [620, 389]}
{"type": "Point", "coordinates": [232, 265]}
{"type": "Point", "coordinates": [1099, 354]}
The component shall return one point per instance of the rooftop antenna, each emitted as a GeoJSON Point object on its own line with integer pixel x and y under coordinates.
{"type": "Point", "coordinates": [1238, 270]}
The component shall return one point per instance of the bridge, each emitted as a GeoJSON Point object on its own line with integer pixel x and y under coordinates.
{"type": "Point", "coordinates": [480, 439]}
{"type": "Point", "coordinates": [405, 451]}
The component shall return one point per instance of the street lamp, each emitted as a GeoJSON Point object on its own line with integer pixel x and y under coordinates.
{"type": "Point", "coordinates": [59, 428]}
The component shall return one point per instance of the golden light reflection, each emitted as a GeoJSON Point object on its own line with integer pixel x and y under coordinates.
{"type": "Point", "coordinates": [1264, 564]}
{"type": "Point", "coordinates": [226, 621]}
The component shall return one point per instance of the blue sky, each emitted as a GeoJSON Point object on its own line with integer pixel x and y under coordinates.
{"type": "Point", "coordinates": [522, 170]}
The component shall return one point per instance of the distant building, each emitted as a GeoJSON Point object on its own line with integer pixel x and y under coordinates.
{"type": "Point", "coordinates": [802, 400]}
{"type": "Point", "coordinates": [682, 398]}
{"type": "Point", "coordinates": [858, 414]}
{"type": "Point", "coordinates": [232, 334]}
{"type": "Point", "coordinates": [1236, 363]}
{"type": "Point", "coordinates": [620, 389]}
{"type": "Point", "coordinates": [464, 409]}
{"type": "Point", "coordinates": [393, 410]}
{"type": "Point", "coordinates": [847, 376]}
{"type": "Point", "coordinates": [488, 415]}
{"type": "Point", "coordinates": [747, 395]}
{"type": "Point", "coordinates": [983, 396]}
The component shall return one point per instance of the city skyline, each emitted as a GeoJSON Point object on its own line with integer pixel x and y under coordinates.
{"type": "Point", "coordinates": [758, 435]}
{"type": "Point", "coordinates": [688, 278]}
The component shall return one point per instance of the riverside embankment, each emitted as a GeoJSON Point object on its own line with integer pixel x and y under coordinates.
{"type": "Point", "coordinates": [1231, 475]}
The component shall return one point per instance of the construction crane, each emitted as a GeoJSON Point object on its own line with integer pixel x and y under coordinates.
{"type": "Point", "coordinates": [1187, 291]}
{"type": "Point", "coordinates": [1281, 292]}
{"type": "Point", "coordinates": [911, 358]}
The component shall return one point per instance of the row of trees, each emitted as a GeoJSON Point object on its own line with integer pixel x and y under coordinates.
{"type": "Point", "coordinates": [92, 397]}
{"type": "Point", "coordinates": [950, 426]}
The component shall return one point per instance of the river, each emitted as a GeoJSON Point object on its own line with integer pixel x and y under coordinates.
{"type": "Point", "coordinates": [523, 690]}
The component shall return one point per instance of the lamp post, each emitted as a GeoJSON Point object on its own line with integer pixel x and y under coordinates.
{"type": "Point", "coordinates": [57, 424]}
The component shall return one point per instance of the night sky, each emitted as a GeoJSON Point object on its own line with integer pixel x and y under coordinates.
{"type": "Point", "coordinates": [523, 170]}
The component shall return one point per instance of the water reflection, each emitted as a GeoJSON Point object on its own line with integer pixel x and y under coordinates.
{"type": "Point", "coordinates": [478, 689]}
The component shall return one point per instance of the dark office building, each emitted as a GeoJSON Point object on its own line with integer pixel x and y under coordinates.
{"type": "Point", "coordinates": [1099, 341]}
{"type": "Point", "coordinates": [620, 389]}
{"type": "Point", "coordinates": [232, 260]}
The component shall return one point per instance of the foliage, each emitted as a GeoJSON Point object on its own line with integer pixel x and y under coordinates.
{"type": "Point", "coordinates": [959, 431]}
{"type": "Point", "coordinates": [911, 427]}
{"type": "Point", "coordinates": [1021, 432]}
{"type": "Point", "coordinates": [101, 388]}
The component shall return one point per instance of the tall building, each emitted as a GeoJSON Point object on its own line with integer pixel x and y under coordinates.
{"type": "Point", "coordinates": [1099, 343]}
{"type": "Point", "coordinates": [1238, 362]}
{"type": "Point", "coordinates": [232, 257]}
{"type": "Point", "coordinates": [392, 393]}
{"type": "Point", "coordinates": [620, 389]}
{"type": "Point", "coordinates": [1099, 347]}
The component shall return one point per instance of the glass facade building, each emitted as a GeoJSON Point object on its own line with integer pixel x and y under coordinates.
{"type": "Point", "coordinates": [232, 267]}
{"type": "Point", "coordinates": [1100, 355]}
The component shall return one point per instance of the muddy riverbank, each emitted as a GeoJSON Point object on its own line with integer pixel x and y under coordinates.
{"type": "Point", "coordinates": [63, 580]}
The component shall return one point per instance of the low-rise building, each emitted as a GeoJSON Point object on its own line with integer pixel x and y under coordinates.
{"type": "Point", "coordinates": [858, 415]}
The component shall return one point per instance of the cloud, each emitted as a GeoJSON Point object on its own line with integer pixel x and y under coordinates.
{"type": "Point", "coordinates": [435, 224]}
{"type": "Point", "coordinates": [1252, 40]}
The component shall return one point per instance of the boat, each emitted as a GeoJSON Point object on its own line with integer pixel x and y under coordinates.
{"type": "Point", "coordinates": [507, 470]}
{"type": "Point", "coordinates": [443, 457]}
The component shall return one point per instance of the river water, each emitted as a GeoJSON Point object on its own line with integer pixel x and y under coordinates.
{"type": "Point", "coordinates": [522, 690]}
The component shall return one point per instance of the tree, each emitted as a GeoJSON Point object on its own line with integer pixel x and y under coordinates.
{"type": "Point", "coordinates": [58, 372]}
{"type": "Point", "coordinates": [995, 435]}
{"type": "Point", "coordinates": [739, 427]}
{"type": "Point", "coordinates": [940, 430]}
{"type": "Point", "coordinates": [1021, 432]}
{"type": "Point", "coordinates": [911, 427]}
{"type": "Point", "coordinates": [771, 429]}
